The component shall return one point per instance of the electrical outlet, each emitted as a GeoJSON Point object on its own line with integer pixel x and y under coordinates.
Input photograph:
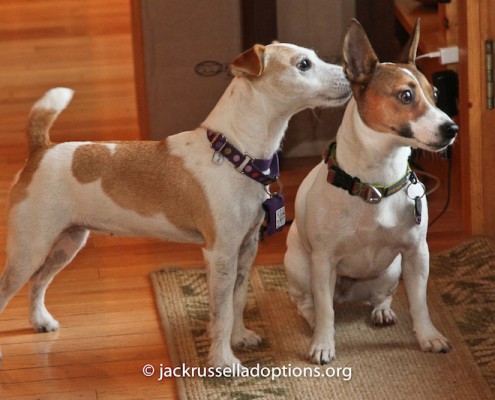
{"type": "Point", "coordinates": [449, 55]}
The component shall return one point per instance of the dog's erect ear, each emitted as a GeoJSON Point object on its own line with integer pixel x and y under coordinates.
{"type": "Point", "coordinates": [408, 55]}
{"type": "Point", "coordinates": [249, 63]}
{"type": "Point", "coordinates": [359, 57]}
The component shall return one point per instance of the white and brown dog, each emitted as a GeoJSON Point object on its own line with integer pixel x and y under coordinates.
{"type": "Point", "coordinates": [361, 214]}
{"type": "Point", "coordinates": [179, 189]}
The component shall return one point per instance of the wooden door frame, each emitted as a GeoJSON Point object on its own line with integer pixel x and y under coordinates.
{"type": "Point", "coordinates": [138, 50]}
{"type": "Point", "coordinates": [472, 27]}
{"type": "Point", "coordinates": [259, 22]}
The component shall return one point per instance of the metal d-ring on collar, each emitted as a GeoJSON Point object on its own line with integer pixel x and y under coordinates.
{"type": "Point", "coordinates": [244, 163]}
{"type": "Point", "coordinates": [370, 193]}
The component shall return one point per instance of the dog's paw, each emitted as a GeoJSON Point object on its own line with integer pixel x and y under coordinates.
{"type": "Point", "coordinates": [221, 356]}
{"type": "Point", "coordinates": [224, 362]}
{"type": "Point", "coordinates": [435, 344]}
{"type": "Point", "coordinates": [383, 317]}
{"type": "Point", "coordinates": [246, 339]}
{"type": "Point", "coordinates": [321, 351]}
{"type": "Point", "coordinates": [44, 323]}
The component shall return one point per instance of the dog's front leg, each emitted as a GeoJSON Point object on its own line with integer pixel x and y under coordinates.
{"type": "Point", "coordinates": [241, 336]}
{"type": "Point", "coordinates": [323, 279]}
{"type": "Point", "coordinates": [415, 272]}
{"type": "Point", "coordinates": [221, 269]}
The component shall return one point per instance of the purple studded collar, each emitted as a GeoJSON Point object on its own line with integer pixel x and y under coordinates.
{"type": "Point", "coordinates": [243, 162]}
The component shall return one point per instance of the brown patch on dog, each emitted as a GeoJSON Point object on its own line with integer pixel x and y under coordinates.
{"type": "Point", "coordinates": [146, 178]}
{"type": "Point", "coordinates": [379, 104]}
{"type": "Point", "coordinates": [90, 162]}
{"type": "Point", "coordinates": [249, 63]}
{"type": "Point", "coordinates": [19, 189]}
{"type": "Point", "coordinates": [40, 121]}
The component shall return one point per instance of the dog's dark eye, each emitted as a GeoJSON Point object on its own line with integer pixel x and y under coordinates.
{"type": "Point", "coordinates": [435, 94]}
{"type": "Point", "coordinates": [406, 96]}
{"type": "Point", "coordinates": [304, 65]}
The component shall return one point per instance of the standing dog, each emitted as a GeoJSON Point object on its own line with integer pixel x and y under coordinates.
{"type": "Point", "coordinates": [351, 239]}
{"type": "Point", "coordinates": [180, 189]}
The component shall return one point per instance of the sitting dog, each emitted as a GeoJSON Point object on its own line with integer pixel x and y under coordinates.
{"type": "Point", "coordinates": [204, 186]}
{"type": "Point", "coordinates": [361, 214]}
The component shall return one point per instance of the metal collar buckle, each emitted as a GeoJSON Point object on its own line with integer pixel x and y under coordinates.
{"type": "Point", "coordinates": [214, 140]}
{"type": "Point", "coordinates": [374, 196]}
{"type": "Point", "coordinates": [217, 136]}
{"type": "Point", "coordinates": [247, 159]}
{"type": "Point", "coordinates": [245, 163]}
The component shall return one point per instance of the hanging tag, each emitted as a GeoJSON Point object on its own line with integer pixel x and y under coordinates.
{"type": "Point", "coordinates": [416, 191]}
{"type": "Point", "coordinates": [218, 158]}
{"type": "Point", "coordinates": [274, 213]}
{"type": "Point", "coordinates": [418, 206]}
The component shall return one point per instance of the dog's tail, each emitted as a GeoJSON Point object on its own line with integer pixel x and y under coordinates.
{"type": "Point", "coordinates": [44, 112]}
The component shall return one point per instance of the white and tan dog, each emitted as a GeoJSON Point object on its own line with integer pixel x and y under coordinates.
{"type": "Point", "coordinates": [178, 189]}
{"type": "Point", "coordinates": [356, 226]}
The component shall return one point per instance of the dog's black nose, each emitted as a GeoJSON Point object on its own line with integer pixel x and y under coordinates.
{"type": "Point", "coordinates": [449, 130]}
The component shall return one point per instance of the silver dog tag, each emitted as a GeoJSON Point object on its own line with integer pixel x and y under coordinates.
{"type": "Point", "coordinates": [218, 158]}
{"type": "Point", "coordinates": [418, 206]}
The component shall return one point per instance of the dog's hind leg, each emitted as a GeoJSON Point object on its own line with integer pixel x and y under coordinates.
{"type": "Point", "coordinates": [241, 336]}
{"type": "Point", "coordinates": [62, 253]}
{"type": "Point", "coordinates": [378, 291]}
{"type": "Point", "coordinates": [382, 291]}
{"type": "Point", "coordinates": [27, 250]}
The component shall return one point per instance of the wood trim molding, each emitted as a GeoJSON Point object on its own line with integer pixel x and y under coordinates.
{"type": "Point", "coordinates": [259, 22]}
{"type": "Point", "coordinates": [470, 47]}
{"type": "Point", "coordinates": [139, 68]}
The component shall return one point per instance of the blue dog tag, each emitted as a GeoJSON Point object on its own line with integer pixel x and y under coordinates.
{"type": "Point", "coordinates": [274, 213]}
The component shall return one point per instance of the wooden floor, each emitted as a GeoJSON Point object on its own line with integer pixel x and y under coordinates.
{"type": "Point", "coordinates": [103, 300]}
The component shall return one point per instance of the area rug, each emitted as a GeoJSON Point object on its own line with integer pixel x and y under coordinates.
{"type": "Point", "coordinates": [372, 363]}
{"type": "Point", "coordinates": [465, 276]}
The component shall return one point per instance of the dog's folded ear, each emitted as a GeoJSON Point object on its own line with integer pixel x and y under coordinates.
{"type": "Point", "coordinates": [359, 57]}
{"type": "Point", "coordinates": [249, 63]}
{"type": "Point", "coordinates": [408, 55]}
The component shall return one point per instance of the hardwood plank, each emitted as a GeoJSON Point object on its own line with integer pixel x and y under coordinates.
{"type": "Point", "coordinates": [92, 356]}
{"type": "Point", "coordinates": [74, 332]}
{"type": "Point", "coordinates": [79, 395]}
{"type": "Point", "coordinates": [53, 345]}
{"type": "Point", "coordinates": [19, 321]}
{"type": "Point", "coordinates": [133, 386]}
